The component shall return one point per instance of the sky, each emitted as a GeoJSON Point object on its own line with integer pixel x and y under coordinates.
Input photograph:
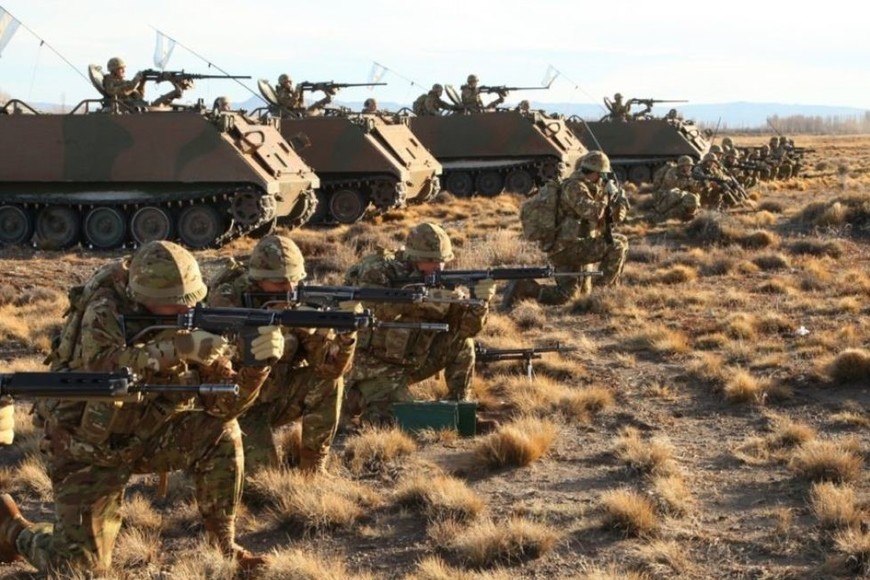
{"type": "Point", "coordinates": [741, 50]}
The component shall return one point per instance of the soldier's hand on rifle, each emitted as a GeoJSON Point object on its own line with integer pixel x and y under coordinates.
{"type": "Point", "coordinates": [269, 344]}
{"type": "Point", "coordinates": [611, 189]}
{"type": "Point", "coordinates": [201, 347]}
{"type": "Point", "coordinates": [621, 213]}
{"type": "Point", "coordinates": [484, 289]}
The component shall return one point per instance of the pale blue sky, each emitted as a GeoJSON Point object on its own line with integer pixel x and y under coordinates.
{"type": "Point", "coordinates": [676, 49]}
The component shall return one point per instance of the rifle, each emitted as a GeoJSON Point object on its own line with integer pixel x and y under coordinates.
{"type": "Point", "coordinates": [483, 354]}
{"type": "Point", "coordinates": [730, 185]}
{"type": "Point", "coordinates": [504, 90]}
{"type": "Point", "coordinates": [179, 76]}
{"type": "Point", "coordinates": [245, 321]}
{"type": "Point", "coordinates": [333, 295]}
{"type": "Point", "coordinates": [328, 86]}
{"type": "Point", "coordinates": [453, 278]}
{"type": "Point", "coordinates": [650, 102]}
{"type": "Point", "coordinates": [116, 386]}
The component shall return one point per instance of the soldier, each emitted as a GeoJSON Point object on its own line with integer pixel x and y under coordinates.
{"type": "Point", "coordinates": [306, 383]}
{"type": "Point", "coordinates": [523, 107]}
{"type": "Point", "coordinates": [581, 234]}
{"type": "Point", "coordinates": [727, 145]}
{"type": "Point", "coordinates": [673, 115]}
{"type": "Point", "coordinates": [471, 100]}
{"type": "Point", "coordinates": [618, 111]}
{"type": "Point", "coordinates": [715, 192]}
{"type": "Point", "coordinates": [370, 106]}
{"type": "Point", "coordinates": [94, 447]}
{"type": "Point", "coordinates": [130, 92]}
{"type": "Point", "coordinates": [389, 361]}
{"type": "Point", "coordinates": [431, 103]}
{"type": "Point", "coordinates": [292, 98]}
{"type": "Point", "coordinates": [677, 197]}
{"type": "Point", "coordinates": [221, 105]}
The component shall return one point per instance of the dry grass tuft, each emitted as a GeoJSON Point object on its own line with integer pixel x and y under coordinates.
{"type": "Point", "coordinates": [630, 513]}
{"type": "Point", "coordinates": [434, 568]}
{"type": "Point", "coordinates": [138, 548]}
{"type": "Point", "coordinates": [853, 555]}
{"type": "Point", "coordinates": [658, 339]}
{"type": "Point", "coordinates": [648, 457]}
{"type": "Point", "coordinates": [289, 442]}
{"type": "Point", "coordinates": [772, 262]}
{"type": "Point", "coordinates": [299, 564]}
{"type": "Point", "coordinates": [825, 460]}
{"type": "Point", "coordinates": [441, 497]}
{"type": "Point", "coordinates": [744, 388]}
{"type": "Point", "coordinates": [203, 561]}
{"type": "Point", "coordinates": [853, 211]}
{"type": "Point", "coordinates": [529, 315]}
{"type": "Point", "coordinates": [671, 495]}
{"type": "Point", "coordinates": [849, 366]}
{"type": "Point", "coordinates": [712, 228]}
{"type": "Point", "coordinates": [138, 513]}
{"type": "Point", "coordinates": [31, 479]}
{"type": "Point", "coordinates": [611, 572]}
{"type": "Point", "coordinates": [374, 448]}
{"type": "Point", "coordinates": [518, 443]}
{"type": "Point", "coordinates": [788, 434]}
{"type": "Point", "coordinates": [758, 239]}
{"type": "Point", "coordinates": [517, 540]}
{"type": "Point", "coordinates": [831, 248]}
{"type": "Point", "coordinates": [677, 275]}
{"type": "Point", "coordinates": [664, 559]}
{"type": "Point", "coordinates": [583, 404]}
{"type": "Point", "coordinates": [834, 505]}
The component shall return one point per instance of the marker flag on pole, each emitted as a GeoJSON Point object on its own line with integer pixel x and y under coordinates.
{"type": "Point", "coordinates": [549, 76]}
{"type": "Point", "coordinates": [8, 26]}
{"type": "Point", "coordinates": [163, 50]}
{"type": "Point", "coordinates": [377, 73]}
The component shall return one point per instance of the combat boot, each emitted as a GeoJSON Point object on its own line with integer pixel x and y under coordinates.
{"type": "Point", "coordinates": [519, 290]}
{"type": "Point", "coordinates": [311, 461]}
{"type": "Point", "coordinates": [12, 523]}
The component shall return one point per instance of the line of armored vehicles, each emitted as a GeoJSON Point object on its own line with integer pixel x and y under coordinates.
{"type": "Point", "coordinates": [118, 170]}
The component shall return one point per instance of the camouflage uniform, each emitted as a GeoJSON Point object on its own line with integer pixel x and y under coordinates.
{"type": "Point", "coordinates": [618, 111]}
{"type": "Point", "coordinates": [471, 100]}
{"type": "Point", "coordinates": [389, 361]}
{"type": "Point", "coordinates": [289, 97]}
{"type": "Point", "coordinates": [431, 103]}
{"type": "Point", "coordinates": [677, 196]}
{"type": "Point", "coordinates": [120, 88]}
{"type": "Point", "coordinates": [580, 236]}
{"type": "Point", "coordinates": [713, 194]}
{"type": "Point", "coordinates": [306, 383]}
{"type": "Point", "coordinates": [94, 447]}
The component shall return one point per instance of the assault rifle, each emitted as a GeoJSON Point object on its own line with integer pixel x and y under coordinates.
{"type": "Point", "coordinates": [730, 186]}
{"type": "Point", "coordinates": [179, 76]}
{"type": "Point", "coordinates": [328, 86]}
{"type": "Point", "coordinates": [333, 295]}
{"type": "Point", "coordinates": [116, 386]}
{"type": "Point", "coordinates": [504, 90]}
{"type": "Point", "coordinates": [483, 354]}
{"type": "Point", "coordinates": [245, 321]}
{"type": "Point", "coordinates": [453, 278]}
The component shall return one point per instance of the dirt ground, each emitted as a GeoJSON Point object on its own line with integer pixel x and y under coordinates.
{"type": "Point", "coordinates": [727, 406]}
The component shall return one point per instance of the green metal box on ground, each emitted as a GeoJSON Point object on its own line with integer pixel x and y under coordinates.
{"type": "Point", "coordinates": [415, 416]}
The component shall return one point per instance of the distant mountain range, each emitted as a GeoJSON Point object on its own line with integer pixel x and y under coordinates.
{"type": "Point", "coordinates": [738, 115]}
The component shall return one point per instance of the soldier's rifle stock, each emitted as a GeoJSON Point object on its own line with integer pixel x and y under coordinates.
{"type": "Point", "coordinates": [453, 278]}
{"type": "Point", "coordinates": [328, 86]}
{"type": "Point", "coordinates": [120, 385]}
{"type": "Point", "coordinates": [483, 354]}
{"type": "Point", "coordinates": [334, 295]}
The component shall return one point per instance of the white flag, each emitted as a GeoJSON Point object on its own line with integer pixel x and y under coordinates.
{"type": "Point", "coordinates": [8, 26]}
{"type": "Point", "coordinates": [163, 50]}
{"type": "Point", "coordinates": [377, 73]}
{"type": "Point", "coordinates": [550, 76]}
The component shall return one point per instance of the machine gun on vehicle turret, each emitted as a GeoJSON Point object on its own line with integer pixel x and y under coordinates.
{"type": "Point", "coordinates": [503, 90]}
{"type": "Point", "coordinates": [648, 105]}
{"type": "Point", "coordinates": [331, 87]}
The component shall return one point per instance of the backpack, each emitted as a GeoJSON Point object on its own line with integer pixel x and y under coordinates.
{"type": "Point", "coordinates": [660, 173]}
{"type": "Point", "coordinates": [418, 106]}
{"type": "Point", "coordinates": [539, 215]}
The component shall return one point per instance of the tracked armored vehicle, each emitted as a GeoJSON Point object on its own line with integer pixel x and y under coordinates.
{"type": "Point", "coordinates": [637, 149]}
{"type": "Point", "coordinates": [125, 175]}
{"type": "Point", "coordinates": [363, 161]}
{"type": "Point", "coordinates": [496, 151]}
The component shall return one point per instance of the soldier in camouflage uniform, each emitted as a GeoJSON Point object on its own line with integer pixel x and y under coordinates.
{"type": "Point", "coordinates": [130, 92]}
{"type": "Point", "coordinates": [389, 361]}
{"type": "Point", "coordinates": [581, 234]}
{"type": "Point", "coordinates": [471, 100]}
{"type": "Point", "coordinates": [617, 109]}
{"type": "Point", "coordinates": [306, 384]}
{"type": "Point", "coordinates": [678, 196]}
{"type": "Point", "coordinates": [431, 103]}
{"type": "Point", "coordinates": [370, 106]}
{"type": "Point", "coordinates": [94, 447]}
{"type": "Point", "coordinates": [709, 173]}
{"type": "Point", "coordinates": [292, 98]}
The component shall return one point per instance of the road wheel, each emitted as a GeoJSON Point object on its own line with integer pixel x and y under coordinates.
{"type": "Point", "coordinates": [105, 227]}
{"type": "Point", "coordinates": [57, 227]}
{"type": "Point", "coordinates": [151, 223]}
{"type": "Point", "coordinates": [348, 205]}
{"type": "Point", "coordinates": [459, 183]}
{"type": "Point", "coordinates": [519, 181]}
{"type": "Point", "coordinates": [16, 225]}
{"type": "Point", "coordinates": [639, 174]}
{"type": "Point", "coordinates": [199, 226]}
{"type": "Point", "coordinates": [489, 183]}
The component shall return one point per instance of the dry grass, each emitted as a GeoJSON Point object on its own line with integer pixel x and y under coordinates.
{"type": "Point", "coordinates": [488, 543]}
{"type": "Point", "coordinates": [629, 513]}
{"type": "Point", "coordinates": [808, 247]}
{"type": "Point", "coordinates": [852, 558]}
{"type": "Point", "coordinates": [849, 366]}
{"type": "Point", "coordinates": [671, 495]}
{"type": "Point", "coordinates": [32, 480]}
{"type": "Point", "coordinates": [677, 275]}
{"type": "Point", "coordinates": [138, 549]}
{"type": "Point", "coordinates": [434, 568]}
{"type": "Point", "coordinates": [203, 561]}
{"type": "Point", "coordinates": [835, 506]}
{"type": "Point", "coordinates": [664, 558]}
{"type": "Point", "coordinates": [139, 513]}
{"type": "Point", "coordinates": [440, 497]}
{"type": "Point", "coordinates": [658, 339]}
{"type": "Point", "coordinates": [374, 448]}
{"type": "Point", "coordinates": [518, 443]}
{"type": "Point", "coordinates": [742, 387]}
{"type": "Point", "coordinates": [826, 460]}
{"type": "Point", "coordinates": [648, 457]}
{"type": "Point", "coordinates": [544, 396]}
{"type": "Point", "coordinates": [299, 564]}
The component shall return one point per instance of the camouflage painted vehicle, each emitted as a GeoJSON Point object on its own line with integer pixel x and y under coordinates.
{"type": "Point", "coordinates": [113, 178]}
{"type": "Point", "coordinates": [499, 150]}
{"type": "Point", "coordinates": [638, 148]}
{"type": "Point", "coordinates": [362, 160]}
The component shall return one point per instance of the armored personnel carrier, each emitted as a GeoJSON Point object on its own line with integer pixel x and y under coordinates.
{"type": "Point", "coordinates": [497, 151]}
{"type": "Point", "coordinates": [122, 174]}
{"type": "Point", "coordinates": [363, 160]}
{"type": "Point", "coordinates": [637, 148]}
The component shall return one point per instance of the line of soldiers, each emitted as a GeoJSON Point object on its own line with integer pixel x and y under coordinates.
{"type": "Point", "coordinates": [284, 375]}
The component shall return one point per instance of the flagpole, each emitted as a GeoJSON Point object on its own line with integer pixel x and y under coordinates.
{"type": "Point", "coordinates": [51, 48]}
{"type": "Point", "coordinates": [578, 87]}
{"type": "Point", "coordinates": [211, 64]}
{"type": "Point", "coordinates": [398, 75]}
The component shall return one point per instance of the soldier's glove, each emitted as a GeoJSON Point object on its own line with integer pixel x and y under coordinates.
{"type": "Point", "coordinates": [485, 289]}
{"type": "Point", "coordinates": [611, 189]}
{"type": "Point", "coordinates": [269, 344]}
{"type": "Point", "coordinates": [201, 347]}
{"type": "Point", "coordinates": [621, 213]}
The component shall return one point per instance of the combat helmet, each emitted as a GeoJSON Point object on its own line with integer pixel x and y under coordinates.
{"type": "Point", "coordinates": [715, 149]}
{"type": "Point", "coordinates": [429, 241]}
{"type": "Point", "coordinates": [617, 97]}
{"type": "Point", "coordinates": [437, 88]}
{"type": "Point", "coordinates": [115, 63]}
{"type": "Point", "coordinates": [276, 258]}
{"type": "Point", "coordinates": [774, 141]}
{"type": "Point", "coordinates": [283, 78]}
{"type": "Point", "coordinates": [727, 142]}
{"type": "Point", "coordinates": [595, 161]}
{"type": "Point", "coordinates": [710, 157]}
{"type": "Point", "coordinates": [783, 140]}
{"type": "Point", "coordinates": [684, 160]}
{"type": "Point", "coordinates": [164, 273]}
{"type": "Point", "coordinates": [472, 79]}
